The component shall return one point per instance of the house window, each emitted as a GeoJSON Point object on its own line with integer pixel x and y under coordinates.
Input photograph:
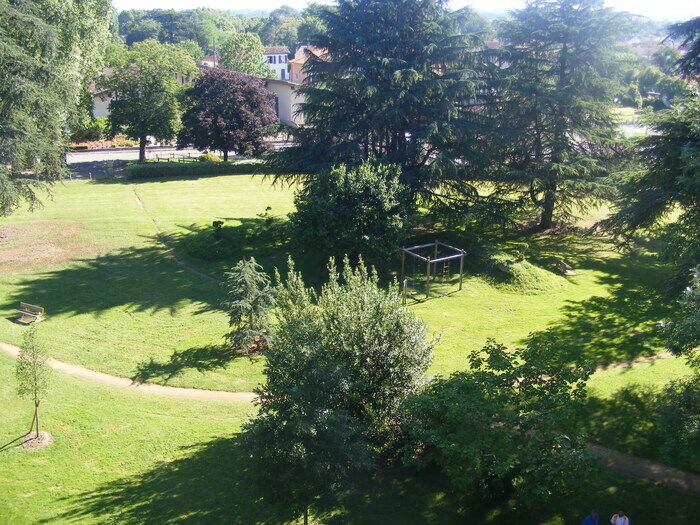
{"type": "Point", "coordinates": [271, 59]}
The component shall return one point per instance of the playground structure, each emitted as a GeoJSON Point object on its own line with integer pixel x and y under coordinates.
{"type": "Point", "coordinates": [435, 256]}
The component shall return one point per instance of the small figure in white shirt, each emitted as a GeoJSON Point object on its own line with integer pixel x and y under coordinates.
{"type": "Point", "coordinates": [620, 518]}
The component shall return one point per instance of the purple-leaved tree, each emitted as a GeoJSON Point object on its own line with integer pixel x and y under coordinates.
{"type": "Point", "coordinates": [227, 111]}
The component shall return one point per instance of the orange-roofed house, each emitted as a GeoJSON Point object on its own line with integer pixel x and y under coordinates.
{"type": "Point", "coordinates": [296, 65]}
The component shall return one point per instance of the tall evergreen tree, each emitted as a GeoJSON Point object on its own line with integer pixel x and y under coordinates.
{"type": "Point", "coordinates": [46, 51]}
{"type": "Point", "coordinates": [554, 104]}
{"type": "Point", "coordinates": [390, 82]}
{"type": "Point", "coordinates": [687, 34]}
{"type": "Point", "coordinates": [667, 181]}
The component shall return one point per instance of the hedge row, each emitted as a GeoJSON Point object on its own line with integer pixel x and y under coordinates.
{"type": "Point", "coordinates": [192, 169]}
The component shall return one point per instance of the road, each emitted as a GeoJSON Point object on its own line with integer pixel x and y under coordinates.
{"type": "Point", "coordinates": [109, 163]}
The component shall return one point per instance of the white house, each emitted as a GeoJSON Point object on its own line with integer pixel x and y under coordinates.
{"type": "Point", "coordinates": [287, 99]}
{"type": "Point", "coordinates": [276, 57]}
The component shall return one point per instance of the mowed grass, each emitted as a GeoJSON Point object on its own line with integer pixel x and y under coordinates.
{"type": "Point", "coordinates": [129, 458]}
{"type": "Point", "coordinates": [123, 303]}
{"type": "Point", "coordinates": [118, 302]}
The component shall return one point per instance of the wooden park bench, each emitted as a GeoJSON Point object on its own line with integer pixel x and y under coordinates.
{"type": "Point", "coordinates": [29, 313]}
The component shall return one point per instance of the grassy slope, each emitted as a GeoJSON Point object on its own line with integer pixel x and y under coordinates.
{"type": "Point", "coordinates": [133, 458]}
{"type": "Point", "coordinates": [116, 304]}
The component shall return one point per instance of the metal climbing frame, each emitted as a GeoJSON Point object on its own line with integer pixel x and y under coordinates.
{"type": "Point", "coordinates": [431, 263]}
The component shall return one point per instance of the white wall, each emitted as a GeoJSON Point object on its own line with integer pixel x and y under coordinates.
{"type": "Point", "coordinates": [100, 105]}
{"type": "Point", "coordinates": [288, 100]}
{"type": "Point", "coordinates": [278, 63]}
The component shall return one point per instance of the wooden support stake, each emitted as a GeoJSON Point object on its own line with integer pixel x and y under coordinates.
{"type": "Point", "coordinates": [427, 281]}
{"type": "Point", "coordinates": [461, 270]}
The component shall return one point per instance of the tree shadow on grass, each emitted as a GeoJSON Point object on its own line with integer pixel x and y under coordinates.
{"type": "Point", "coordinates": [267, 238]}
{"type": "Point", "coordinates": [202, 359]}
{"type": "Point", "coordinates": [209, 484]}
{"type": "Point", "coordinates": [621, 326]}
{"type": "Point", "coordinates": [627, 421]}
{"type": "Point", "coordinates": [141, 279]}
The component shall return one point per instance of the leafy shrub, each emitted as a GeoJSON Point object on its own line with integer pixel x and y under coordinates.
{"type": "Point", "coordinates": [122, 141]}
{"type": "Point", "coordinates": [353, 211]}
{"type": "Point", "coordinates": [90, 129]}
{"type": "Point", "coordinates": [507, 425]}
{"type": "Point", "coordinates": [191, 169]}
{"type": "Point", "coordinates": [340, 365]}
{"type": "Point", "coordinates": [659, 424]}
{"type": "Point", "coordinates": [209, 157]}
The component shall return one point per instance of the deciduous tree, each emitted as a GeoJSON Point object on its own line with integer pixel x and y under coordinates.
{"type": "Point", "coordinates": [227, 111]}
{"type": "Point", "coordinates": [32, 373]}
{"type": "Point", "coordinates": [46, 51]}
{"type": "Point", "coordinates": [338, 370]}
{"type": "Point", "coordinates": [506, 425]}
{"type": "Point", "coordinates": [245, 53]}
{"type": "Point", "coordinates": [363, 211]}
{"type": "Point", "coordinates": [145, 91]}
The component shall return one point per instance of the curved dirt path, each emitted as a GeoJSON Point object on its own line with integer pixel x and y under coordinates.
{"type": "Point", "coordinates": [146, 388]}
{"type": "Point", "coordinates": [610, 458]}
{"type": "Point", "coordinates": [647, 469]}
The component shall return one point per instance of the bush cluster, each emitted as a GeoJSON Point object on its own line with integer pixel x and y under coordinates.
{"type": "Point", "coordinates": [363, 211]}
{"type": "Point", "coordinates": [191, 169]}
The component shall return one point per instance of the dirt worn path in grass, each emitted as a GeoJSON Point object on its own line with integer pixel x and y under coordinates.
{"type": "Point", "coordinates": [610, 459]}
{"type": "Point", "coordinates": [146, 388]}
{"type": "Point", "coordinates": [169, 250]}
{"type": "Point", "coordinates": [647, 469]}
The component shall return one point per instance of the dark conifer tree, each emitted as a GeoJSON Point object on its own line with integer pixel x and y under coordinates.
{"type": "Point", "coordinates": [390, 81]}
{"type": "Point", "coordinates": [554, 104]}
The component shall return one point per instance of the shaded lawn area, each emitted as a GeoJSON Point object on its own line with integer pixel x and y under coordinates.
{"type": "Point", "coordinates": [125, 457]}
{"type": "Point", "coordinates": [132, 311]}
{"type": "Point", "coordinates": [620, 412]}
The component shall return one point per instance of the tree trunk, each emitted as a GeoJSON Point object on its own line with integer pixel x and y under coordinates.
{"type": "Point", "coordinates": [142, 149]}
{"type": "Point", "coordinates": [547, 217]}
{"type": "Point", "coordinates": [31, 427]}
{"type": "Point", "coordinates": [225, 155]}
{"type": "Point", "coordinates": [36, 418]}
{"type": "Point", "coordinates": [306, 515]}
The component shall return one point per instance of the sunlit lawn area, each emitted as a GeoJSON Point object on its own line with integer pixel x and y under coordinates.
{"type": "Point", "coordinates": [130, 458]}
{"type": "Point", "coordinates": [117, 303]}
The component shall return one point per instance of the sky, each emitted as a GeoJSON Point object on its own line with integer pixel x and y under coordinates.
{"type": "Point", "coordinates": [656, 9]}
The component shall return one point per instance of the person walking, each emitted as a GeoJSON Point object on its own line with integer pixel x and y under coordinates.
{"type": "Point", "coordinates": [620, 518]}
{"type": "Point", "coordinates": [591, 519]}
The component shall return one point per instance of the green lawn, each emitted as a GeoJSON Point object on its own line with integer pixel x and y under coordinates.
{"type": "Point", "coordinates": [117, 303]}
{"type": "Point", "coordinates": [129, 458]}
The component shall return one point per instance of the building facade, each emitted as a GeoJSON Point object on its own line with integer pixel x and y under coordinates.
{"type": "Point", "coordinates": [276, 57]}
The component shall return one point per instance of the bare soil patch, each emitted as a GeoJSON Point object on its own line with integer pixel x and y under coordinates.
{"type": "Point", "coordinates": [41, 244]}
{"type": "Point", "coordinates": [32, 443]}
